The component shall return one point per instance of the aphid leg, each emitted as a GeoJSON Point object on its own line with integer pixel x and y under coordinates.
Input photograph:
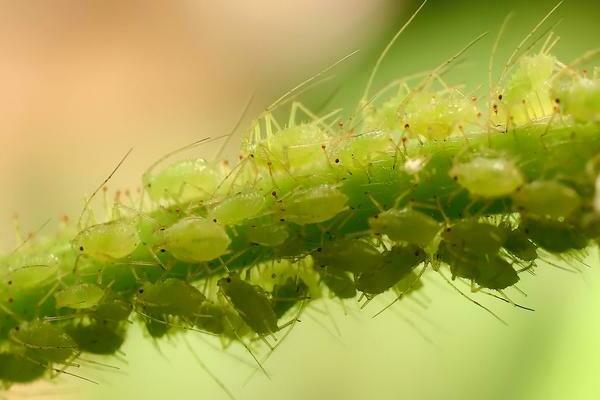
{"type": "Point", "coordinates": [478, 304]}
{"type": "Point", "coordinates": [246, 346]}
{"type": "Point", "coordinates": [403, 293]}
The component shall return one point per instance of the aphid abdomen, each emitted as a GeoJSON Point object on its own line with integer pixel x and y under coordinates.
{"type": "Point", "coordinates": [339, 283]}
{"type": "Point", "coordinates": [478, 238]}
{"type": "Point", "coordinates": [398, 263]}
{"type": "Point", "coordinates": [251, 303]}
{"type": "Point", "coordinates": [518, 244]}
{"type": "Point", "coordinates": [546, 199]}
{"type": "Point", "coordinates": [238, 208]}
{"type": "Point", "coordinates": [554, 236]}
{"type": "Point", "coordinates": [170, 297]}
{"type": "Point", "coordinates": [405, 225]}
{"type": "Point", "coordinates": [287, 295]}
{"type": "Point", "coordinates": [195, 239]}
{"type": "Point", "coordinates": [314, 205]}
{"type": "Point", "coordinates": [15, 368]}
{"type": "Point", "coordinates": [96, 337]}
{"type": "Point", "coordinates": [488, 177]}
{"type": "Point", "coordinates": [351, 255]}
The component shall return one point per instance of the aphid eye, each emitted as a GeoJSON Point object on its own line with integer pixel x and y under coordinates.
{"type": "Point", "coordinates": [80, 248]}
{"type": "Point", "coordinates": [337, 160]}
{"type": "Point", "coordinates": [162, 250]}
{"type": "Point", "coordinates": [10, 282]}
{"type": "Point", "coordinates": [162, 229]}
{"type": "Point", "coordinates": [500, 97]}
{"type": "Point", "coordinates": [140, 291]}
{"type": "Point", "coordinates": [228, 280]}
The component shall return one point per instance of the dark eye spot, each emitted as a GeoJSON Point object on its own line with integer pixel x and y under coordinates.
{"type": "Point", "coordinates": [162, 250]}
{"type": "Point", "coordinates": [80, 248]}
{"type": "Point", "coordinates": [140, 291]}
{"type": "Point", "coordinates": [228, 280]}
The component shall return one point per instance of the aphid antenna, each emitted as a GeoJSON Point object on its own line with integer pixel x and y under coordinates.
{"type": "Point", "coordinates": [29, 237]}
{"type": "Point", "coordinates": [405, 291]}
{"type": "Point", "coordinates": [98, 364]}
{"type": "Point", "coordinates": [503, 297]}
{"type": "Point", "coordinates": [234, 128]}
{"type": "Point", "coordinates": [513, 56]}
{"type": "Point", "coordinates": [207, 370]}
{"type": "Point", "coordinates": [491, 61]}
{"type": "Point", "coordinates": [89, 199]}
{"type": "Point", "coordinates": [248, 349]}
{"type": "Point", "coordinates": [384, 53]}
{"type": "Point", "coordinates": [478, 304]}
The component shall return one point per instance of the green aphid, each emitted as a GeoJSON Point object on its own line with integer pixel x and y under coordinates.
{"type": "Point", "coordinates": [549, 199]}
{"type": "Point", "coordinates": [528, 79]}
{"type": "Point", "coordinates": [579, 98]}
{"type": "Point", "coordinates": [170, 297]}
{"type": "Point", "coordinates": [268, 235]}
{"type": "Point", "coordinates": [33, 276]}
{"type": "Point", "coordinates": [471, 236]}
{"type": "Point", "coordinates": [285, 296]}
{"type": "Point", "coordinates": [108, 241]}
{"type": "Point", "coordinates": [554, 236]}
{"type": "Point", "coordinates": [488, 177]}
{"type": "Point", "coordinates": [81, 296]}
{"type": "Point", "coordinates": [487, 270]}
{"type": "Point", "coordinates": [398, 263]}
{"type": "Point", "coordinates": [339, 283]}
{"type": "Point", "coordinates": [518, 244]}
{"type": "Point", "coordinates": [314, 205]}
{"type": "Point", "coordinates": [112, 309]}
{"type": "Point", "coordinates": [97, 337]}
{"type": "Point", "coordinates": [296, 150]}
{"type": "Point", "coordinates": [251, 303]}
{"type": "Point", "coordinates": [361, 149]}
{"type": "Point", "coordinates": [237, 208]}
{"type": "Point", "coordinates": [351, 255]}
{"type": "Point", "coordinates": [211, 318]}
{"type": "Point", "coordinates": [45, 342]}
{"type": "Point", "coordinates": [15, 368]}
{"type": "Point", "coordinates": [194, 240]}
{"type": "Point", "coordinates": [183, 181]}
{"type": "Point", "coordinates": [405, 225]}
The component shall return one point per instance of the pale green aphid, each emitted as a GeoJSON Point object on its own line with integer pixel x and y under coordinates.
{"type": "Point", "coordinates": [45, 342]}
{"type": "Point", "coordinates": [16, 368]}
{"type": "Point", "coordinates": [398, 263]}
{"type": "Point", "coordinates": [251, 303]}
{"type": "Point", "coordinates": [474, 237]}
{"type": "Point", "coordinates": [268, 235]}
{"type": "Point", "coordinates": [80, 296]}
{"type": "Point", "coordinates": [546, 199]}
{"type": "Point", "coordinates": [436, 116]}
{"type": "Point", "coordinates": [195, 239]}
{"type": "Point", "coordinates": [221, 319]}
{"type": "Point", "coordinates": [579, 98]}
{"type": "Point", "coordinates": [170, 297]}
{"type": "Point", "coordinates": [488, 177]}
{"type": "Point", "coordinates": [405, 225]}
{"type": "Point", "coordinates": [526, 94]}
{"type": "Point", "coordinates": [286, 295]}
{"type": "Point", "coordinates": [97, 337]}
{"type": "Point", "coordinates": [237, 208]}
{"type": "Point", "coordinates": [359, 150]}
{"type": "Point", "coordinates": [339, 282]}
{"type": "Point", "coordinates": [314, 205]}
{"type": "Point", "coordinates": [183, 181]}
{"type": "Point", "coordinates": [518, 244]}
{"type": "Point", "coordinates": [108, 241]}
{"type": "Point", "coordinates": [351, 255]}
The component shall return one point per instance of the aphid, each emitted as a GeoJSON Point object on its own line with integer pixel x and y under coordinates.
{"type": "Point", "coordinates": [488, 177]}
{"type": "Point", "coordinates": [112, 309]}
{"type": "Point", "coordinates": [251, 303]}
{"type": "Point", "coordinates": [45, 342]}
{"type": "Point", "coordinates": [526, 93]}
{"type": "Point", "coordinates": [182, 181]}
{"type": "Point", "coordinates": [554, 236]}
{"type": "Point", "coordinates": [222, 320]}
{"type": "Point", "coordinates": [108, 241]}
{"type": "Point", "coordinates": [16, 368]}
{"type": "Point", "coordinates": [195, 239]}
{"type": "Point", "coordinates": [287, 295]}
{"type": "Point", "coordinates": [269, 235]}
{"type": "Point", "coordinates": [359, 150]}
{"type": "Point", "coordinates": [97, 337]}
{"type": "Point", "coordinates": [351, 255]}
{"type": "Point", "coordinates": [80, 296]}
{"type": "Point", "coordinates": [471, 236]}
{"type": "Point", "coordinates": [518, 244]}
{"type": "Point", "coordinates": [314, 205]}
{"type": "Point", "coordinates": [579, 97]}
{"type": "Point", "coordinates": [487, 270]}
{"type": "Point", "coordinates": [237, 208]}
{"type": "Point", "coordinates": [170, 297]}
{"type": "Point", "coordinates": [398, 263]}
{"type": "Point", "coordinates": [405, 225]}
{"type": "Point", "coordinates": [339, 283]}
{"type": "Point", "coordinates": [549, 199]}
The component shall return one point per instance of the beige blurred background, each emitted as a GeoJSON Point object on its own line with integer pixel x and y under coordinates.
{"type": "Point", "coordinates": [83, 81]}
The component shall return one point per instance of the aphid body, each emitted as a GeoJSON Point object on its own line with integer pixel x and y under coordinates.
{"type": "Point", "coordinates": [488, 177]}
{"type": "Point", "coordinates": [406, 225]}
{"type": "Point", "coordinates": [108, 241]}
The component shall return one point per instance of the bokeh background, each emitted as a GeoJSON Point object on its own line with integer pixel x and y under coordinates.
{"type": "Point", "coordinates": [83, 81]}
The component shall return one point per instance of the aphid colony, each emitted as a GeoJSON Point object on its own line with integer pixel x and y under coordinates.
{"type": "Point", "coordinates": [419, 182]}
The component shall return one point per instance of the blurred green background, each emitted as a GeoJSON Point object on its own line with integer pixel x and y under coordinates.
{"type": "Point", "coordinates": [82, 81]}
